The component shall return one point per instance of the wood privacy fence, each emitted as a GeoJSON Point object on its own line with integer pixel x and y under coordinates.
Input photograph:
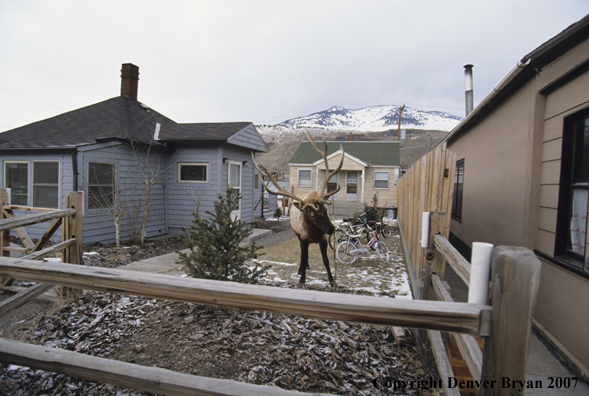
{"type": "Point", "coordinates": [426, 187]}
{"type": "Point", "coordinates": [515, 275]}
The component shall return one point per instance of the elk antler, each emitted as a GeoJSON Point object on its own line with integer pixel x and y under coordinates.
{"type": "Point", "coordinates": [328, 173]}
{"type": "Point", "coordinates": [281, 191]}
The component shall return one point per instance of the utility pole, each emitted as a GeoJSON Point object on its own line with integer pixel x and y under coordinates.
{"type": "Point", "coordinates": [399, 128]}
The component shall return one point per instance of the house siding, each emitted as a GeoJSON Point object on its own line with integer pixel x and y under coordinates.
{"type": "Point", "coordinates": [182, 198]}
{"type": "Point", "coordinates": [248, 138]}
{"type": "Point", "coordinates": [511, 189]}
{"type": "Point", "coordinates": [98, 223]}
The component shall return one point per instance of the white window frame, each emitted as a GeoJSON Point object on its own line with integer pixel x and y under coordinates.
{"type": "Point", "coordinates": [46, 184]}
{"type": "Point", "coordinates": [388, 179]}
{"type": "Point", "coordinates": [89, 184]}
{"type": "Point", "coordinates": [310, 177]}
{"type": "Point", "coordinates": [256, 181]}
{"type": "Point", "coordinates": [28, 176]}
{"type": "Point", "coordinates": [205, 164]}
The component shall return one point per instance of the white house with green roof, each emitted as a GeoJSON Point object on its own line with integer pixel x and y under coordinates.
{"type": "Point", "coordinates": [369, 168]}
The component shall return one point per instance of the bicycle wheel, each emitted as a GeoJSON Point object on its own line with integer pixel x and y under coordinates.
{"type": "Point", "coordinates": [343, 255]}
{"type": "Point", "coordinates": [383, 251]}
{"type": "Point", "coordinates": [339, 235]}
{"type": "Point", "coordinates": [386, 231]}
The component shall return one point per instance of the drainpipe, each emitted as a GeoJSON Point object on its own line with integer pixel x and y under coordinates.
{"type": "Point", "coordinates": [75, 169]}
{"type": "Point", "coordinates": [469, 89]}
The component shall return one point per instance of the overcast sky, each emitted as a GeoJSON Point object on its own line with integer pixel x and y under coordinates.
{"type": "Point", "coordinates": [264, 61]}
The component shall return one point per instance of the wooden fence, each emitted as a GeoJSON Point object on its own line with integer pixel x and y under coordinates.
{"type": "Point", "coordinates": [71, 222]}
{"type": "Point", "coordinates": [428, 187]}
{"type": "Point", "coordinates": [502, 328]}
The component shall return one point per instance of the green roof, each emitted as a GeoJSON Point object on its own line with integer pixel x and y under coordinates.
{"type": "Point", "coordinates": [374, 153]}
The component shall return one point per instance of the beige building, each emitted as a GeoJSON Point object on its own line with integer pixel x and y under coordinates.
{"type": "Point", "coordinates": [523, 179]}
{"type": "Point", "coordinates": [369, 168]}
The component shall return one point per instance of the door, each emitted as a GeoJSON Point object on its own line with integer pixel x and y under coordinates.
{"type": "Point", "coordinates": [352, 185]}
{"type": "Point", "coordinates": [332, 186]}
{"type": "Point", "coordinates": [234, 178]}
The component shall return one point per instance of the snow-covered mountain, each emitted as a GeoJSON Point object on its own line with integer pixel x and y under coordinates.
{"type": "Point", "coordinates": [373, 118]}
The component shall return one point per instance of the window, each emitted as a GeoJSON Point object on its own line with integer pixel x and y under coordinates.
{"type": "Point", "coordinates": [304, 178]}
{"type": "Point", "coordinates": [101, 185]}
{"type": "Point", "coordinates": [256, 182]}
{"type": "Point", "coordinates": [573, 198]}
{"type": "Point", "coordinates": [193, 173]}
{"type": "Point", "coordinates": [46, 184]}
{"type": "Point", "coordinates": [381, 180]}
{"type": "Point", "coordinates": [458, 186]}
{"type": "Point", "coordinates": [16, 177]}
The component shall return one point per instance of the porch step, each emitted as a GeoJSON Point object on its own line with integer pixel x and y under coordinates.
{"type": "Point", "coordinates": [347, 209]}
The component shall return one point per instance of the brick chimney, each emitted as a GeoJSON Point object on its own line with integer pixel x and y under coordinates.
{"type": "Point", "coordinates": [350, 137]}
{"type": "Point", "coordinates": [129, 80]}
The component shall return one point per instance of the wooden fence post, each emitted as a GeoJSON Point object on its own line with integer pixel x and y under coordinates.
{"type": "Point", "coordinates": [515, 278]}
{"type": "Point", "coordinates": [434, 260]}
{"type": "Point", "coordinates": [4, 235]}
{"type": "Point", "coordinates": [72, 227]}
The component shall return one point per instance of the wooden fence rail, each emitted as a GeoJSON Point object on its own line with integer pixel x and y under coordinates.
{"type": "Point", "coordinates": [446, 316]}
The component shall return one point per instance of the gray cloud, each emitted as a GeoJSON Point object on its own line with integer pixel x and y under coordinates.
{"type": "Point", "coordinates": [263, 61]}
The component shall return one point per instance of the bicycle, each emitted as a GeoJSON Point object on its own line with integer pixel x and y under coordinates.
{"type": "Point", "coordinates": [348, 251]}
{"type": "Point", "coordinates": [348, 228]}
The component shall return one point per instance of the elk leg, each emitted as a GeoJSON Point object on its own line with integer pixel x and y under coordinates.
{"type": "Point", "coordinates": [323, 247]}
{"type": "Point", "coordinates": [304, 261]}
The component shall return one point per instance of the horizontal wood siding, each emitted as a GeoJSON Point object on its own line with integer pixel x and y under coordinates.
{"type": "Point", "coordinates": [249, 138]}
{"type": "Point", "coordinates": [98, 223]}
{"type": "Point", "coordinates": [183, 197]}
{"type": "Point", "coordinates": [386, 197]}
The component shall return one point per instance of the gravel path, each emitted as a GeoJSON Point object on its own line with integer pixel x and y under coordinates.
{"type": "Point", "coordinates": [277, 237]}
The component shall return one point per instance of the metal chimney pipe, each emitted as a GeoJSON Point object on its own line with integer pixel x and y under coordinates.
{"type": "Point", "coordinates": [469, 89]}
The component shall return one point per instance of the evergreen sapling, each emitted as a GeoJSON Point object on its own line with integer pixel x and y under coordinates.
{"type": "Point", "coordinates": [218, 255]}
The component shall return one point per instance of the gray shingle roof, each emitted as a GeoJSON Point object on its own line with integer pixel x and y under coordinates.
{"type": "Point", "coordinates": [115, 118]}
{"type": "Point", "coordinates": [374, 153]}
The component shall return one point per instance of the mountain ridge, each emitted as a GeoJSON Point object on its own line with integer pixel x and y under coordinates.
{"type": "Point", "coordinates": [370, 119]}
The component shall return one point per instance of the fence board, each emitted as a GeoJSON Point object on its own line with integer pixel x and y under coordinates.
{"type": "Point", "coordinates": [128, 375]}
{"type": "Point", "coordinates": [21, 221]}
{"type": "Point", "coordinates": [426, 187]}
{"type": "Point", "coordinates": [455, 317]}
{"type": "Point", "coordinates": [21, 298]}
{"type": "Point", "coordinates": [454, 258]}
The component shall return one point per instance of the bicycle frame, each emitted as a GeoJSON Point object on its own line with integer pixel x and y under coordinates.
{"type": "Point", "coordinates": [362, 248]}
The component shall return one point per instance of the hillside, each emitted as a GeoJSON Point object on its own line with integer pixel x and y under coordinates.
{"type": "Point", "coordinates": [372, 119]}
{"type": "Point", "coordinates": [283, 143]}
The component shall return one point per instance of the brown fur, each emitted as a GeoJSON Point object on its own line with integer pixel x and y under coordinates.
{"type": "Point", "coordinates": [311, 226]}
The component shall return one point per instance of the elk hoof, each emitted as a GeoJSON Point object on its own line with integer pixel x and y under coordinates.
{"type": "Point", "coordinates": [302, 281]}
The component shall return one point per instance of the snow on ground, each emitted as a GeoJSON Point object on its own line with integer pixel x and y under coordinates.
{"type": "Point", "coordinates": [367, 274]}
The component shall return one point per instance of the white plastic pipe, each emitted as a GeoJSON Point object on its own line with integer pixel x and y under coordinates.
{"type": "Point", "coordinates": [425, 230]}
{"type": "Point", "coordinates": [480, 271]}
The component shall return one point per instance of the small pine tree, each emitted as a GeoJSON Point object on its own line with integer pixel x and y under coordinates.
{"type": "Point", "coordinates": [218, 255]}
{"type": "Point", "coordinates": [277, 213]}
{"type": "Point", "coordinates": [372, 212]}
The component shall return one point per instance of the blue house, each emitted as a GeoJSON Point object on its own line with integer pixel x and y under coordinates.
{"type": "Point", "coordinates": [120, 152]}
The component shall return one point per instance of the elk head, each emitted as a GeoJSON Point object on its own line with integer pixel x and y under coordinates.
{"type": "Point", "coordinates": [314, 202]}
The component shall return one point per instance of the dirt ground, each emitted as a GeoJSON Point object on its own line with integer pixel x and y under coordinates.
{"type": "Point", "coordinates": [257, 347]}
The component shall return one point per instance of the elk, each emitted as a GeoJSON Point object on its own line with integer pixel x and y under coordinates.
{"type": "Point", "coordinates": [308, 216]}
